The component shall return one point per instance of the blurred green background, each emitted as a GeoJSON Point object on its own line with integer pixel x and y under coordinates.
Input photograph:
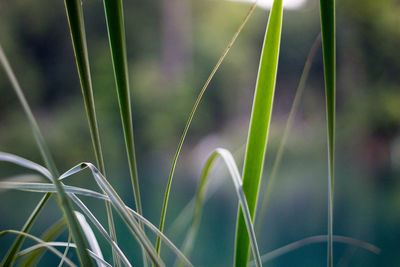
{"type": "Point", "coordinates": [172, 47]}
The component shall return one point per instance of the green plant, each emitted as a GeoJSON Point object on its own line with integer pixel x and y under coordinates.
{"type": "Point", "coordinates": [252, 172]}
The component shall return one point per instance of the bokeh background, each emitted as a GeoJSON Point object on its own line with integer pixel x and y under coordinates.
{"type": "Point", "coordinates": [172, 47]}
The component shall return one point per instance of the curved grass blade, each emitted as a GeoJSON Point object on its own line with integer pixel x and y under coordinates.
{"type": "Point", "coordinates": [189, 121]}
{"type": "Point", "coordinates": [78, 36]}
{"type": "Point", "coordinates": [45, 188]}
{"type": "Point", "coordinates": [49, 235]}
{"type": "Point", "coordinates": [63, 200]}
{"type": "Point", "coordinates": [38, 240]}
{"type": "Point", "coordinates": [235, 176]}
{"type": "Point", "coordinates": [60, 244]}
{"type": "Point", "coordinates": [259, 124]}
{"type": "Point", "coordinates": [288, 129]}
{"type": "Point", "coordinates": [317, 239]}
{"type": "Point", "coordinates": [328, 30]}
{"type": "Point", "coordinates": [93, 244]}
{"type": "Point", "coordinates": [25, 163]}
{"type": "Point", "coordinates": [116, 35]}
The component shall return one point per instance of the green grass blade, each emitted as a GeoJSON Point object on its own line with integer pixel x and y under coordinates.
{"type": "Point", "coordinates": [318, 239]}
{"type": "Point", "coordinates": [50, 234]}
{"type": "Point", "coordinates": [78, 36]}
{"type": "Point", "coordinates": [62, 197]}
{"type": "Point", "coordinates": [38, 240]}
{"type": "Point", "coordinates": [329, 52]}
{"type": "Point", "coordinates": [259, 124]}
{"type": "Point", "coordinates": [189, 121]}
{"type": "Point", "coordinates": [287, 130]}
{"type": "Point", "coordinates": [116, 34]}
{"type": "Point", "coordinates": [235, 176]}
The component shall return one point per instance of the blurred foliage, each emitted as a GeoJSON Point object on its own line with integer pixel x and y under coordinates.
{"type": "Point", "coordinates": [171, 53]}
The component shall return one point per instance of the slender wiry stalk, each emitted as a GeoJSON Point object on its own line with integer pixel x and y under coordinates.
{"type": "Point", "coordinates": [63, 199]}
{"type": "Point", "coordinates": [259, 127]}
{"type": "Point", "coordinates": [189, 121]}
{"type": "Point", "coordinates": [78, 36]}
{"type": "Point", "coordinates": [288, 128]}
{"type": "Point", "coordinates": [329, 52]}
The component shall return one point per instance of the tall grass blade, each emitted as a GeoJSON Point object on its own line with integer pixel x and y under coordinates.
{"type": "Point", "coordinates": [191, 115]}
{"type": "Point", "coordinates": [259, 124]}
{"type": "Point", "coordinates": [78, 36]}
{"type": "Point", "coordinates": [38, 240]}
{"type": "Point", "coordinates": [329, 54]}
{"type": "Point", "coordinates": [116, 35]}
{"type": "Point", "coordinates": [287, 130]}
{"type": "Point", "coordinates": [235, 176]}
{"type": "Point", "coordinates": [317, 239]}
{"type": "Point", "coordinates": [62, 197]}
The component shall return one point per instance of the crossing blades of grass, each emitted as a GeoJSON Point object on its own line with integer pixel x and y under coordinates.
{"type": "Point", "coordinates": [235, 176]}
{"type": "Point", "coordinates": [50, 234]}
{"type": "Point", "coordinates": [329, 54]}
{"type": "Point", "coordinates": [116, 35]}
{"type": "Point", "coordinates": [78, 36]}
{"type": "Point", "coordinates": [191, 115]}
{"type": "Point", "coordinates": [259, 124]}
{"type": "Point", "coordinates": [288, 128]}
{"type": "Point", "coordinates": [61, 244]}
{"type": "Point", "coordinates": [38, 240]}
{"type": "Point", "coordinates": [63, 200]}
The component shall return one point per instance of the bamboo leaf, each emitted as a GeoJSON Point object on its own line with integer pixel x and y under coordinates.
{"type": "Point", "coordinates": [259, 124]}
{"type": "Point", "coordinates": [329, 54]}
{"type": "Point", "coordinates": [63, 200]}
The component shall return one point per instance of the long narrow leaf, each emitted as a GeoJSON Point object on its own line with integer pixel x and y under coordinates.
{"type": "Point", "coordinates": [77, 29]}
{"type": "Point", "coordinates": [189, 121]}
{"type": "Point", "coordinates": [62, 197]}
{"type": "Point", "coordinates": [329, 52]}
{"type": "Point", "coordinates": [258, 129]}
{"type": "Point", "coordinates": [116, 34]}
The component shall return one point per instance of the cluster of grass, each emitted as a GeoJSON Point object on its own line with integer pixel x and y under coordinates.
{"type": "Point", "coordinates": [246, 185]}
